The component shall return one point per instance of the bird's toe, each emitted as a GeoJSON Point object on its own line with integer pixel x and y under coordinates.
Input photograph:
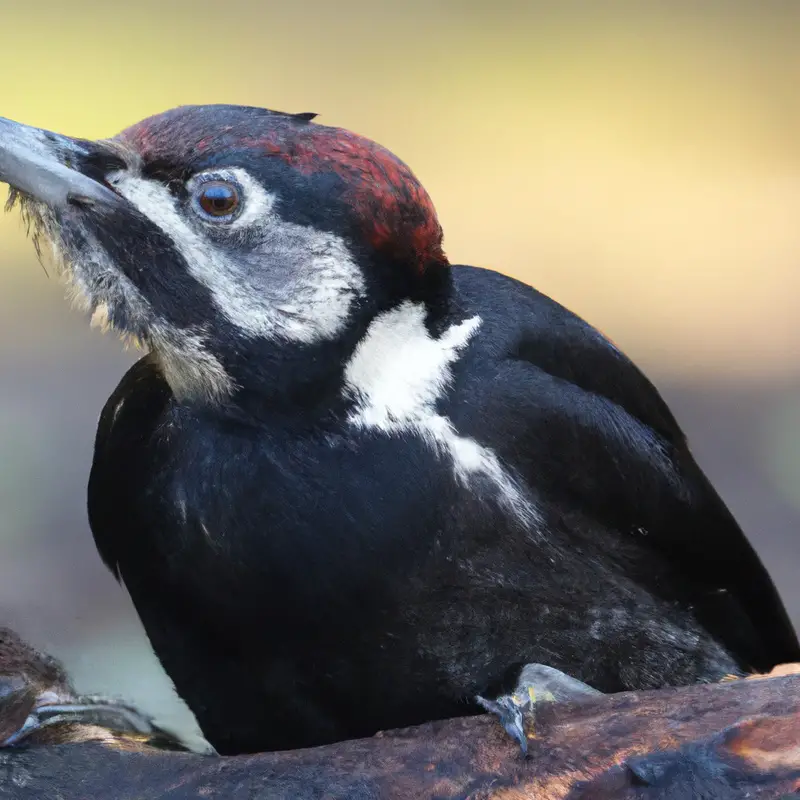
{"type": "Point", "coordinates": [537, 683]}
{"type": "Point", "coordinates": [51, 713]}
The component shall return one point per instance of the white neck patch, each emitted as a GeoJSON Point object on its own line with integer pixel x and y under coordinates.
{"type": "Point", "coordinates": [397, 374]}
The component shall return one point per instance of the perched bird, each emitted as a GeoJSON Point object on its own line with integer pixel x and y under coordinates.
{"type": "Point", "coordinates": [352, 487]}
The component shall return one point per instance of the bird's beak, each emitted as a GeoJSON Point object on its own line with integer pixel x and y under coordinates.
{"type": "Point", "coordinates": [49, 167]}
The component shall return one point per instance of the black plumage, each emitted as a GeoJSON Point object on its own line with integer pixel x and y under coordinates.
{"type": "Point", "coordinates": [355, 569]}
{"type": "Point", "coordinates": [318, 553]}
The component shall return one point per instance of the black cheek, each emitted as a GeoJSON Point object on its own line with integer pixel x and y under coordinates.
{"type": "Point", "coordinates": [147, 257]}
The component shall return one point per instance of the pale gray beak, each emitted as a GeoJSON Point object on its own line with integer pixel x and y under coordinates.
{"type": "Point", "coordinates": [48, 167]}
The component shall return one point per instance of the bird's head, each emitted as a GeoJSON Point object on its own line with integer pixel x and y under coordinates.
{"type": "Point", "coordinates": [228, 239]}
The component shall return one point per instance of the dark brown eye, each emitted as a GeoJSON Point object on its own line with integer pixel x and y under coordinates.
{"type": "Point", "coordinates": [218, 198]}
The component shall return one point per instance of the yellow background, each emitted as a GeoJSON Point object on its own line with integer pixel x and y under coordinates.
{"type": "Point", "coordinates": [639, 162]}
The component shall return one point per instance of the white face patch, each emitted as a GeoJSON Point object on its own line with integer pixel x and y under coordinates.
{"type": "Point", "coordinates": [287, 282]}
{"type": "Point", "coordinates": [397, 373]}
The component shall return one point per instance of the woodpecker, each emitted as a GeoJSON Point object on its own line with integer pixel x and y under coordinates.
{"type": "Point", "coordinates": [350, 486]}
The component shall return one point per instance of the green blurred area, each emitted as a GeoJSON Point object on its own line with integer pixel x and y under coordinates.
{"type": "Point", "coordinates": [639, 162]}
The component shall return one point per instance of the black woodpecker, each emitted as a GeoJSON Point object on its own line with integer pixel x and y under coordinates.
{"type": "Point", "coordinates": [352, 487]}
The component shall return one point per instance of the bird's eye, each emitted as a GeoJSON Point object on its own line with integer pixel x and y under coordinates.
{"type": "Point", "coordinates": [218, 199]}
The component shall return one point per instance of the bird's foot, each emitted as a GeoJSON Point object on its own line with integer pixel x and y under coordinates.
{"type": "Point", "coordinates": [51, 712]}
{"type": "Point", "coordinates": [537, 683]}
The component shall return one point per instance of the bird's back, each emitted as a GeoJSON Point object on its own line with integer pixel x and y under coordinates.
{"type": "Point", "coordinates": [592, 436]}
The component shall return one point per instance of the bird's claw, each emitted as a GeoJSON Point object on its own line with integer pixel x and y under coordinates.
{"type": "Point", "coordinates": [511, 715]}
{"type": "Point", "coordinates": [537, 683]}
{"type": "Point", "coordinates": [50, 712]}
{"type": "Point", "coordinates": [84, 711]}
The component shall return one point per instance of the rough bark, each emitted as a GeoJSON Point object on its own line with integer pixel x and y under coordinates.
{"type": "Point", "coordinates": [730, 740]}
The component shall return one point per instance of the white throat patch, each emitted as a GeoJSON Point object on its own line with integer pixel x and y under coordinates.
{"type": "Point", "coordinates": [397, 374]}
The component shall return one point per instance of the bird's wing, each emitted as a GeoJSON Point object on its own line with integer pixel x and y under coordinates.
{"type": "Point", "coordinates": [649, 482]}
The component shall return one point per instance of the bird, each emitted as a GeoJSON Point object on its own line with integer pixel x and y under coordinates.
{"type": "Point", "coordinates": [350, 486]}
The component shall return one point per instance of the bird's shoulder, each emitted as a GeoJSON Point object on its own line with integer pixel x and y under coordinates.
{"type": "Point", "coordinates": [136, 404]}
{"type": "Point", "coordinates": [587, 428]}
{"type": "Point", "coordinates": [524, 325]}
{"type": "Point", "coordinates": [123, 462]}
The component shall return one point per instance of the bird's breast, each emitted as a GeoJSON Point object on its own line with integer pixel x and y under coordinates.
{"type": "Point", "coordinates": [322, 522]}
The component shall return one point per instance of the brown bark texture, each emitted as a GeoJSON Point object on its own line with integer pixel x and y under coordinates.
{"type": "Point", "coordinates": [738, 739]}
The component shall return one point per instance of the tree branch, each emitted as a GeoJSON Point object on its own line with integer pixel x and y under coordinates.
{"type": "Point", "coordinates": [730, 740]}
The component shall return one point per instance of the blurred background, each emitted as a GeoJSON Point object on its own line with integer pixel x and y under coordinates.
{"type": "Point", "coordinates": [639, 162]}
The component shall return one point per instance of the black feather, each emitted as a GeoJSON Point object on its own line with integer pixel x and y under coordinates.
{"type": "Point", "coordinates": [303, 585]}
